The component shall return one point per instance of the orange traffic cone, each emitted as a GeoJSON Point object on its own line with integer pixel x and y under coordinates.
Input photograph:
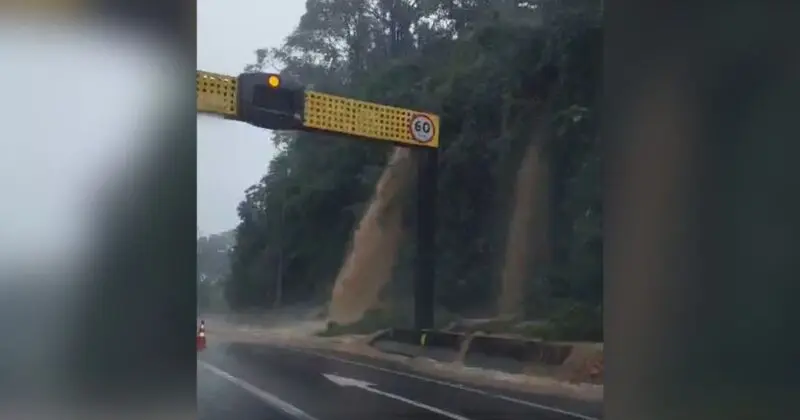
{"type": "Point", "coordinates": [201, 336]}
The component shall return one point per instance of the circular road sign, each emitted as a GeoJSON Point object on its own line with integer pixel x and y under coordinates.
{"type": "Point", "coordinates": [421, 127]}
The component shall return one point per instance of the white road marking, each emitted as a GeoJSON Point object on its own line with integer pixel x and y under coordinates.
{"type": "Point", "coordinates": [265, 396]}
{"type": "Point", "coordinates": [448, 384]}
{"type": "Point", "coordinates": [366, 386]}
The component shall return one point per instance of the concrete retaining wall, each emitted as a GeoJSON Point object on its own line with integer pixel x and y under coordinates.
{"type": "Point", "coordinates": [504, 353]}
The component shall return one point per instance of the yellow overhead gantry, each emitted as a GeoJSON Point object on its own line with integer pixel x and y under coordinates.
{"type": "Point", "coordinates": [262, 99]}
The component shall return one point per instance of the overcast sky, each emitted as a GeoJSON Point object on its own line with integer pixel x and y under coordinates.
{"type": "Point", "coordinates": [59, 149]}
{"type": "Point", "coordinates": [233, 156]}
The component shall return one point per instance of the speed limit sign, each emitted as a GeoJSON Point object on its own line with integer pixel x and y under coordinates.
{"type": "Point", "coordinates": [422, 129]}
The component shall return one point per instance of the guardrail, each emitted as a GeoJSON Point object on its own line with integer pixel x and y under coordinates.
{"type": "Point", "coordinates": [509, 354]}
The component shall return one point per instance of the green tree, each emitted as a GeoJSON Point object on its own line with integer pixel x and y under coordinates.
{"type": "Point", "coordinates": [483, 66]}
{"type": "Point", "coordinates": [213, 267]}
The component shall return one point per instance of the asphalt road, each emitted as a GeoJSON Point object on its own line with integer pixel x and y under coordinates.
{"type": "Point", "coordinates": [258, 382]}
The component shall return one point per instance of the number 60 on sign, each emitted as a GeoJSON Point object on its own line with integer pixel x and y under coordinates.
{"type": "Point", "coordinates": [422, 128]}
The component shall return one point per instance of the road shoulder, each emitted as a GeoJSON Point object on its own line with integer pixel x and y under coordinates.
{"type": "Point", "coordinates": [582, 398]}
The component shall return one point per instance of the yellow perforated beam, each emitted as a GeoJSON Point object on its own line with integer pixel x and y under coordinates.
{"type": "Point", "coordinates": [216, 94]}
{"type": "Point", "coordinates": [369, 120]}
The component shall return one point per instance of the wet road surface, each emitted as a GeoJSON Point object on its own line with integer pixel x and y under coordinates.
{"type": "Point", "coordinates": [259, 382]}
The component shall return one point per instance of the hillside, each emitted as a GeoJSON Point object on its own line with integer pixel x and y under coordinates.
{"type": "Point", "coordinates": [519, 211]}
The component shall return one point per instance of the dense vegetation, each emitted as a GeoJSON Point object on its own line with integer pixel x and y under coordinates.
{"type": "Point", "coordinates": [213, 268]}
{"type": "Point", "coordinates": [478, 64]}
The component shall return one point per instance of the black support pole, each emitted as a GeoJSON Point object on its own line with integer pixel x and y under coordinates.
{"type": "Point", "coordinates": [424, 285]}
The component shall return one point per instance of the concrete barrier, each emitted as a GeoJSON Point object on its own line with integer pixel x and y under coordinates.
{"type": "Point", "coordinates": [442, 346]}
{"type": "Point", "coordinates": [403, 342]}
{"type": "Point", "coordinates": [507, 354]}
{"type": "Point", "coordinates": [406, 336]}
{"type": "Point", "coordinates": [512, 354]}
{"type": "Point", "coordinates": [444, 340]}
{"type": "Point", "coordinates": [438, 345]}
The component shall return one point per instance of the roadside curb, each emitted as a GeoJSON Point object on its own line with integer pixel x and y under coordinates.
{"type": "Point", "coordinates": [363, 346]}
{"type": "Point", "coordinates": [508, 354]}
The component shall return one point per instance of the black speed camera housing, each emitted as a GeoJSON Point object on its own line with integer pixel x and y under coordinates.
{"type": "Point", "coordinates": [265, 101]}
